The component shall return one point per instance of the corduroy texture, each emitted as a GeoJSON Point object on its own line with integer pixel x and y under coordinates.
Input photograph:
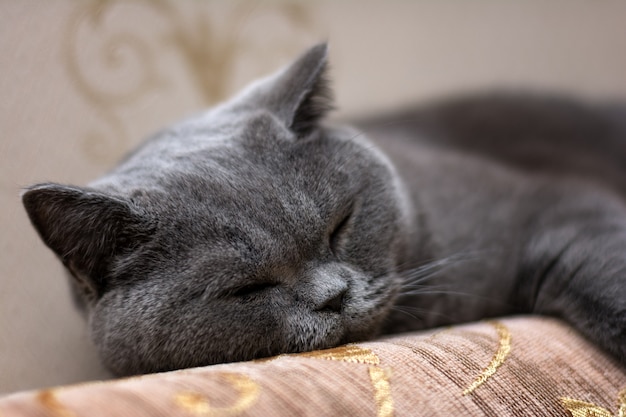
{"type": "Point", "coordinates": [510, 367]}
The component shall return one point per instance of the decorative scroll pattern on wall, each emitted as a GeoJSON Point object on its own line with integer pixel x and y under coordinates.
{"type": "Point", "coordinates": [115, 62]}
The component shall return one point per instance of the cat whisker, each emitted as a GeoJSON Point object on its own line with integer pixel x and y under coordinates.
{"type": "Point", "coordinates": [424, 312]}
{"type": "Point", "coordinates": [419, 277]}
{"type": "Point", "coordinates": [441, 290]}
{"type": "Point", "coordinates": [438, 292]}
{"type": "Point", "coordinates": [434, 290]}
{"type": "Point", "coordinates": [428, 270]}
{"type": "Point", "coordinates": [406, 310]}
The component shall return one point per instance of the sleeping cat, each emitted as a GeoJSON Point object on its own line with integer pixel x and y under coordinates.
{"type": "Point", "coordinates": [256, 228]}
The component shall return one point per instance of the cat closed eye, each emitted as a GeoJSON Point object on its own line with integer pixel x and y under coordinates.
{"type": "Point", "coordinates": [253, 289]}
{"type": "Point", "coordinates": [335, 238]}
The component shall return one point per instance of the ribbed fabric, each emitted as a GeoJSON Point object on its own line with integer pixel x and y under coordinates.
{"type": "Point", "coordinates": [525, 366]}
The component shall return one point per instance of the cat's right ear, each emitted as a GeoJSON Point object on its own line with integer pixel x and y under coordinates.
{"type": "Point", "coordinates": [299, 95]}
{"type": "Point", "coordinates": [85, 228]}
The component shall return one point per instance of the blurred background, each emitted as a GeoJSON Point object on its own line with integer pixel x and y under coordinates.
{"type": "Point", "coordinates": [82, 82]}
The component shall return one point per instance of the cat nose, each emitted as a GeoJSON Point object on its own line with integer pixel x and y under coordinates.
{"type": "Point", "coordinates": [334, 303]}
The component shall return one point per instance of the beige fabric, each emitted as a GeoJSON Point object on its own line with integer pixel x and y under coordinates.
{"type": "Point", "coordinates": [83, 81]}
{"type": "Point", "coordinates": [509, 367]}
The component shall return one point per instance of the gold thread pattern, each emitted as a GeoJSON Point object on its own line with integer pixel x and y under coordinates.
{"type": "Point", "coordinates": [621, 403]}
{"type": "Point", "coordinates": [378, 375]}
{"type": "Point", "coordinates": [382, 391]}
{"type": "Point", "coordinates": [347, 353]}
{"type": "Point", "coordinates": [197, 404]}
{"type": "Point", "coordinates": [584, 409]}
{"type": "Point", "coordinates": [49, 400]}
{"type": "Point", "coordinates": [579, 408]}
{"type": "Point", "coordinates": [498, 359]}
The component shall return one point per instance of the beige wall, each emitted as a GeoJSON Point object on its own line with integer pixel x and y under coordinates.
{"type": "Point", "coordinates": [81, 82]}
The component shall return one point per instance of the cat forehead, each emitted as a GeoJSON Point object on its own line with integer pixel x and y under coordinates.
{"type": "Point", "coordinates": [205, 145]}
{"type": "Point", "coordinates": [228, 122]}
{"type": "Point", "coordinates": [226, 148]}
{"type": "Point", "coordinates": [219, 129]}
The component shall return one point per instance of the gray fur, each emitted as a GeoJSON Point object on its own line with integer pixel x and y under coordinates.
{"type": "Point", "coordinates": [256, 229]}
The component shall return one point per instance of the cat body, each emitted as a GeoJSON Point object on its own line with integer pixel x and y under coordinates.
{"type": "Point", "coordinates": [256, 229]}
{"type": "Point", "coordinates": [520, 199]}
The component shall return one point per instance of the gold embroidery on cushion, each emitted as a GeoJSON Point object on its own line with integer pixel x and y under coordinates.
{"type": "Point", "coordinates": [199, 405]}
{"type": "Point", "coordinates": [584, 409]}
{"type": "Point", "coordinates": [579, 408]}
{"type": "Point", "coordinates": [382, 391]}
{"type": "Point", "coordinates": [347, 353]}
{"type": "Point", "coordinates": [498, 358]}
{"type": "Point", "coordinates": [49, 400]}
{"type": "Point", "coordinates": [378, 375]}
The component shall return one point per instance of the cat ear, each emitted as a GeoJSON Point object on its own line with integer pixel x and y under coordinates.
{"type": "Point", "coordinates": [299, 95]}
{"type": "Point", "coordinates": [85, 228]}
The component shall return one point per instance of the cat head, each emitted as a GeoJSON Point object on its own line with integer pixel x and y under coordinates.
{"type": "Point", "coordinates": [251, 230]}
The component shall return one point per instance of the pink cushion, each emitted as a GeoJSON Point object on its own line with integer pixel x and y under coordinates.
{"type": "Point", "coordinates": [513, 366]}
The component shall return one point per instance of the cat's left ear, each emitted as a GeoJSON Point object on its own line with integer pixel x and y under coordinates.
{"type": "Point", "coordinates": [299, 95]}
{"type": "Point", "coordinates": [86, 228]}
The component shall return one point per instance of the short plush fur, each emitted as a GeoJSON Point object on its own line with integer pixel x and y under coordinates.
{"type": "Point", "coordinates": [256, 228]}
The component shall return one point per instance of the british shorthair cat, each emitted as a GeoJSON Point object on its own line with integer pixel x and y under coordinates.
{"type": "Point", "coordinates": [258, 228]}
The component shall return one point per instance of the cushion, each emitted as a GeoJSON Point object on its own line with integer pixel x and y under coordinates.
{"type": "Point", "coordinates": [516, 366]}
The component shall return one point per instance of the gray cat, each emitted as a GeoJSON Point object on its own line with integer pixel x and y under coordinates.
{"type": "Point", "coordinates": [256, 229]}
